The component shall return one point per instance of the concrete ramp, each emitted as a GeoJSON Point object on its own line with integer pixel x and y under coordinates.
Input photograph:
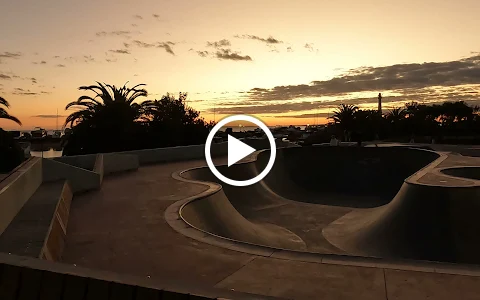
{"type": "Point", "coordinates": [216, 215]}
{"type": "Point", "coordinates": [435, 223]}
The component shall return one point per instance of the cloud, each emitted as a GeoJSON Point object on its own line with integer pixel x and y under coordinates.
{"type": "Point", "coordinates": [120, 51]}
{"type": "Point", "coordinates": [14, 55]}
{"type": "Point", "coordinates": [227, 54]}
{"type": "Point", "coordinates": [22, 92]}
{"type": "Point", "coordinates": [56, 56]}
{"type": "Point", "coordinates": [4, 77]}
{"type": "Point", "coordinates": [143, 44]}
{"type": "Point", "coordinates": [33, 79]}
{"type": "Point", "coordinates": [111, 60]}
{"type": "Point", "coordinates": [167, 47]}
{"type": "Point", "coordinates": [164, 45]}
{"type": "Point", "coordinates": [61, 66]}
{"type": "Point", "coordinates": [139, 17]}
{"type": "Point", "coordinates": [289, 49]}
{"type": "Point", "coordinates": [269, 40]}
{"type": "Point", "coordinates": [203, 53]}
{"type": "Point", "coordinates": [126, 45]}
{"type": "Point", "coordinates": [309, 46]}
{"type": "Point", "coordinates": [48, 116]}
{"type": "Point", "coordinates": [134, 25]}
{"type": "Point", "coordinates": [113, 33]}
{"type": "Point", "coordinates": [393, 77]}
{"type": "Point", "coordinates": [43, 62]}
{"type": "Point", "coordinates": [219, 44]}
{"type": "Point", "coordinates": [44, 92]}
{"type": "Point", "coordinates": [88, 59]}
{"type": "Point", "coordinates": [304, 116]}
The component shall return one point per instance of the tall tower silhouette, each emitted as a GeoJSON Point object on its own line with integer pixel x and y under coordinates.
{"type": "Point", "coordinates": [380, 103]}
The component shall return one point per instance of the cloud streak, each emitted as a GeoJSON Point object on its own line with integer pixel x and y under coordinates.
{"type": "Point", "coordinates": [23, 92]}
{"type": "Point", "coordinates": [124, 33]}
{"type": "Point", "coordinates": [224, 54]}
{"type": "Point", "coordinates": [13, 55]}
{"type": "Point", "coordinates": [269, 40]}
{"type": "Point", "coordinates": [227, 54]}
{"type": "Point", "coordinates": [120, 51]}
{"type": "Point", "coordinates": [394, 77]}
{"type": "Point", "coordinates": [48, 116]}
{"type": "Point", "coordinates": [219, 44]}
{"type": "Point", "coordinates": [167, 46]}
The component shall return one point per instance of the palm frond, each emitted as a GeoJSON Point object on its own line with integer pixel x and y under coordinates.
{"type": "Point", "coordinates": [5, 115]}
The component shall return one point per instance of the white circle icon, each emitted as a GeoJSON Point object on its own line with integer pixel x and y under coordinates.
{"type": "Point", "coordinates": [238, 150]}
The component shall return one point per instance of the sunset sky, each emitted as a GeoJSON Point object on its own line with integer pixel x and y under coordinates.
{"type": "Point", "coordinates": [287, 62]}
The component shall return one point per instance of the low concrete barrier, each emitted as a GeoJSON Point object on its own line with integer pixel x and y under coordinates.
{"type": "Point", "coordinates": [17, 188]}
{"type": "Point", "coordinates": [56, 235]}
{"type": "Point", "coordinates": [30, 278]}
{"type": "Point", "coordinates": [131, 160]}
{"type": "Point", "coordinates": [86, 161]}
{"type": "Point", "coordinates": [98, 167]}
{"type": "Point", "coordinates": [114, 163]}
{"type": "Point", "coordinates": [79, 179]}
{"type": "Point", "coordinates": [159, 155]}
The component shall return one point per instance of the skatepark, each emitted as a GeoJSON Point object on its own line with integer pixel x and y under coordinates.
{"type": "Point", "coordinates": [386, 222]}
{"type": "Point", "coordinates": [388, 202]}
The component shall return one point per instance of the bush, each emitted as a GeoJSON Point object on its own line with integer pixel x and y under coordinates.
{"type": "Point", "coordinates": [11, 154]}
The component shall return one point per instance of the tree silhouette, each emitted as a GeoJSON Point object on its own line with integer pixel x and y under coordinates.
{"type": "Point", "coordinates": [4, 114]}
{"type": "Point", "coordinates": [171, 122]}
{"type": "Point", "coordinates": [396, 115]}
{"type": "Point", "coordinates": [344, 116]}
{"type": "Point", "coordinates": [111, 121]}
{"type": "Point", "coordinates": [106, 122]}
{"type": "Point", "coordinates": [109, 101]}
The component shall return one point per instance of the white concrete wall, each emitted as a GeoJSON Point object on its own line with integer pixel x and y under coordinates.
{"type": "Point", "coordinates": [17, 188]}
{"type": "Point", "coordinates": [79, 179]}
{"type": "Point", "coordinates": [130, 160]}
{"type": "Point", "coordinates": [114, 163]}
{"type": "Point", "coordinates": [82, 161]}
{"type": "Point", "coordinates": [158, 155]}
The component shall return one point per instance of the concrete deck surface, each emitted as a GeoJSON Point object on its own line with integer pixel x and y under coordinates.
{"type": "Point", "coordinates": [121, 228]}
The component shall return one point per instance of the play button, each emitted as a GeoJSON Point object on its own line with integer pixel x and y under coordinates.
{"type": "Point", "coordinates": [237, 150]}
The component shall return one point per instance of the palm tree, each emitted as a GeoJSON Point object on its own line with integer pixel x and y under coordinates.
{"type": "Point", "coordinates": [344, 115]}
{"type": "Point", "coordinates": [107, 122]}
{"type": "Point", "coordinates": [395, 115]}
{"type": "Point", "coordinates": [110, 101]}
{"type": "Point", "coordinates": [4, 114]}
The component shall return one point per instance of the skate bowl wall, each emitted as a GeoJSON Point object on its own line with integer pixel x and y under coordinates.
{"type": "Point", "coordinates": [304, 174]}
{"type": "Point", "coordinates": [299, 174]}
{"type": "Point", "coordinates": [423, 222]}
{"type": "Point", "coordinates": [218, 215]}
{"type": "Point", "coordinates": [463, 172]}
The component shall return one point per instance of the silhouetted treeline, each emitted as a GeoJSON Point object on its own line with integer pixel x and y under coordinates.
{"type": "Point", "coordinates": [450, 122]}
{"type": "Point", "coordinates": [112, 121]}
{"type": "Point", "coordinates": [11, 154]}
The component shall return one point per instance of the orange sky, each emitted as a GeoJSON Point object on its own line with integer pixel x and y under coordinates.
{"type": "Point", "coordinates": [221, 52]}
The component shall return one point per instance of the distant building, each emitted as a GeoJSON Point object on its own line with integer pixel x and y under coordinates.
{"type": "Point", "coordinates": [380, 103]}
